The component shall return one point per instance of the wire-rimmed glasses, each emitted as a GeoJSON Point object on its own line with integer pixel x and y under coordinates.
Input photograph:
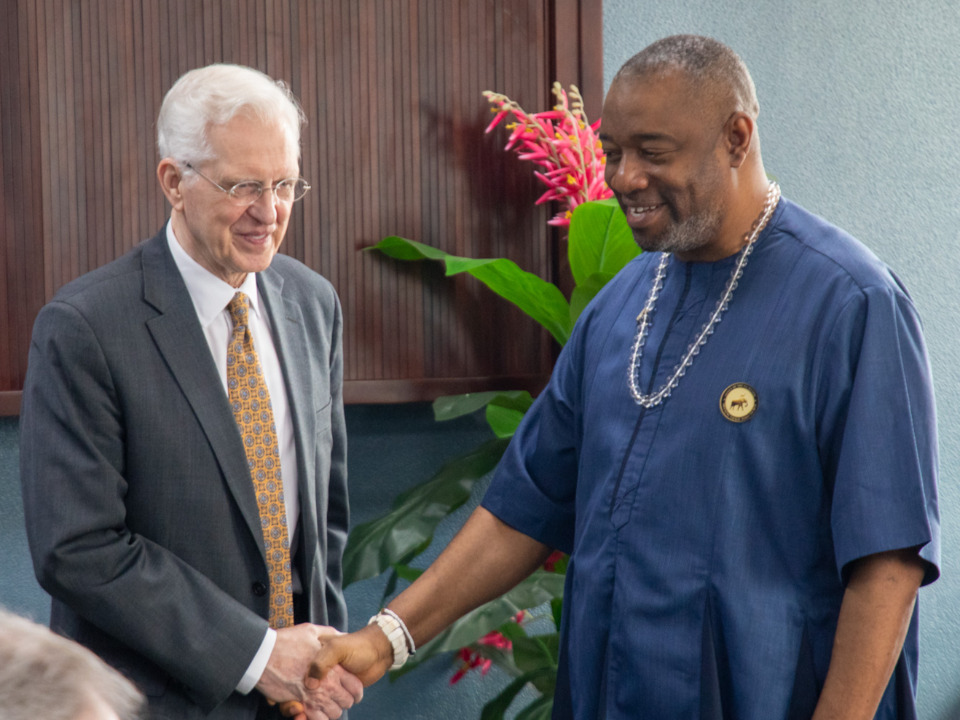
{"type": "Point", "coordinates": [247, 192]}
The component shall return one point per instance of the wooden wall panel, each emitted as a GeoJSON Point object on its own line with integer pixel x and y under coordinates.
{"type": "Point", "coordinates": [394, 145]}
{"type": "Point", "coordinates": [21, 211]}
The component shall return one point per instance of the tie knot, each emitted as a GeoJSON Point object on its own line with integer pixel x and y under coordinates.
{"type": "Point", "coordinates": [238, 308]}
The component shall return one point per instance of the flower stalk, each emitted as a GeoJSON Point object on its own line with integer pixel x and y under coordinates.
{"type": "Point", "coordinates": [562, 142]}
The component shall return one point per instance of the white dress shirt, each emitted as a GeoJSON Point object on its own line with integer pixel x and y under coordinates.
{"type": "Point", "coordinates": [210, 296]}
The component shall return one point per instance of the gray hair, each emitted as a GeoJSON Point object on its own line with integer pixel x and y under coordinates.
{"type": "Point", "coordinates": [213, 95]}
{"type": "Point", "coordinates": [44, 675]}
{"type": "Point", "coordinates": [713, 68]}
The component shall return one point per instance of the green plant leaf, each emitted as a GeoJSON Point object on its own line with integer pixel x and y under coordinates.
{"type": "Point", "coordinates": [496, 708]}
{"type": "Point", "coordinates": [539, 299]}
{"type": "Point", "coordinates": [374, 546]}
{"type": "Point", "coordinates": [512, 630]}
{"type": "Point", "coordinates": [448, 407]}
{"type": "Point", "coordinates": [405, 572]}
{"type": "Point", "coordinates": [503, 421]}
{"type": "Point", "coordinates": [401, 571]}
{"type": "Point", "coordinates": [556, 607]}
{"type": "Point", "coordinates": [395, 572]}
{"type": "Point", "coordinates": [537, 589]}
{"type": "Point", "coordinates": [585, 292]}
{"type": "Point", "coordinates": [600, 240]}
{"type": "Point", "coordinates": [505, 411]}
{"type": "Point", "coordinates": [539, 709]}
{"type": "Point", "coordinates": [536, 651]}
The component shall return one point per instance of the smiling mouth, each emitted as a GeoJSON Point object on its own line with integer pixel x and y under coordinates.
{"type": "Point", "coordinates": [255, 237]}
{"type": "Point", "coordinates": [641, 210]}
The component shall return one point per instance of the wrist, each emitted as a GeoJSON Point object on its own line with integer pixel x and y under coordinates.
{"type": "Point", "coordinates": [381, 645]}
{"type": "Point", "coordinates": [399, 643]}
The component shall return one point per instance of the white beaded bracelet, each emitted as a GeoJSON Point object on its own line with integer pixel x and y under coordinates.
{"type": "Point", "coordinates": [411, 645]}
{"type": "Point", "coordinates": [397, 634]}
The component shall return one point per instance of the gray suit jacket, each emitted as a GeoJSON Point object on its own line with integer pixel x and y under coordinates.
{"type": "Point", "coordinates": [140, 510]}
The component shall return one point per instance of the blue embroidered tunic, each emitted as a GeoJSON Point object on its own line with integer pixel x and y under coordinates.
{"type": "Point", "coordinates": [709, 556]}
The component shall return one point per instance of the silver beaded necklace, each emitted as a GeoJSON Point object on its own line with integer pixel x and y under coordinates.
{"type": "Point", "coordinates": [643, 319]}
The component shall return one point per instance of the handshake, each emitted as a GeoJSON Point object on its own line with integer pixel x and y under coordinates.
{"type": "Point", "coordinates": [316, 672]}
{"type": "Point", "coordinates": [323, 671]}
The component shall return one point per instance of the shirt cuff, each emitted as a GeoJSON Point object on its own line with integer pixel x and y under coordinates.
{"type": "Point", "coordinates": [259, 663]}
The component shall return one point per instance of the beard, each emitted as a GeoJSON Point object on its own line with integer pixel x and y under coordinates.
{"type": "Point", "coordinates": [692, 233]}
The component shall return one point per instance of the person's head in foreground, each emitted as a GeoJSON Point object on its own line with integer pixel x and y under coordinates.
{"type": "Point", "coordinates": [44, 675]}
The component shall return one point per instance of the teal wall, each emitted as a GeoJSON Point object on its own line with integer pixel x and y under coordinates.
{"type": "Point", "coordinates": [859, 112]}
{"type": "Point", "coordinates": [859, 124]}
{"type": "Point", "coordinates": [18, 589]}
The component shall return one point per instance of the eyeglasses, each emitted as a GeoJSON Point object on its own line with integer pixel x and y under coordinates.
{"type": "Point", "coordinates": [248, 192]}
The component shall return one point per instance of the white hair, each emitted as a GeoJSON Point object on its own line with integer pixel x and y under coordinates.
{"type": "Point", "coordinates": [213, 95]}
{"type": "Point", "coordinates": [44, 675]}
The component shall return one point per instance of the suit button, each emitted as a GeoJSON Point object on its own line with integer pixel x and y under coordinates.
{"type": "Point", "coordinates": [259, 589]}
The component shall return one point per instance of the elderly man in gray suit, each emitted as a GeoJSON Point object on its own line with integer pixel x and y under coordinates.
{"type": "Point", "coordinates": [183, 441]}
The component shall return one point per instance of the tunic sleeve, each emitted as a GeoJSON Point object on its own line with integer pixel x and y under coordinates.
{"type": "Point", "coordinates": [877, 431]}
{"type": "Point", "coordinates": [534, 487]}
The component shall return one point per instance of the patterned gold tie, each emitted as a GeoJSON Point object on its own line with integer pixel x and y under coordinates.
{"type": "Point", "coordinates": [250, 401]}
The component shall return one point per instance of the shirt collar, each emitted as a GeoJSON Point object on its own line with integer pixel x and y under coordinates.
{"type": "Point", "coordinates": [210, 294]}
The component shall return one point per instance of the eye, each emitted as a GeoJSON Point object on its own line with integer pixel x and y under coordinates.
{"type": "Point", "coordinates": [248, 190]}
{"type": "Point", "coordinates": [655, 155]}
{"type": "Point", "coordinates": [292, 189]}
{"type": "Point", "coordinates": [612, 154]}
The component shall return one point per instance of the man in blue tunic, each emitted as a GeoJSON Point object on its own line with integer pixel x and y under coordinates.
{"type": "Point", "coordinates": [737, 446]}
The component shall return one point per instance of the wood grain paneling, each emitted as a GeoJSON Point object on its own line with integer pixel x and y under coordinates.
{"type": "Point", "coordinates": [394, 145]}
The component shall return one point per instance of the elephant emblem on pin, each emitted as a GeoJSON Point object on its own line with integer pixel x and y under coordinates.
{"type": "Point", "coordinates": [738, 403]}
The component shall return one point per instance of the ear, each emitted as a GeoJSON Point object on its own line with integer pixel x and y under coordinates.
{"type": "Point", "coordinates": [171, 182]}
{"type": "Point", "coordinates": [738, 136]}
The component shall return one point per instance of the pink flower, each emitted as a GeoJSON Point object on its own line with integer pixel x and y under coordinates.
{"type": "Point", "coordinates": [470, 658]}
{"type": "Point", "coordinates": [562, 143]}
{"type": "Point", "coordinates": [550, 564]}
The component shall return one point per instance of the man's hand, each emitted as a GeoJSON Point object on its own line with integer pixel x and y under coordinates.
{"type": "Point", "coordinates": [485, 559]}
{"type": "Point", "coordinates": [283, 679]}
{"type": "Point", "coordinates": [367, 654]}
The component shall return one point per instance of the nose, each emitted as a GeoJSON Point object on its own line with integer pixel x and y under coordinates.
{"type": "Point", "coordinates": [266, 208]}
{"type": "Point", "coordinates": [628, 174]}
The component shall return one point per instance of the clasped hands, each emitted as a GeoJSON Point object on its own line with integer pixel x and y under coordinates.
{"type": "Point", "coordinates": [285, 679]}
{"type": "Point", "coordinates": [336, 672]}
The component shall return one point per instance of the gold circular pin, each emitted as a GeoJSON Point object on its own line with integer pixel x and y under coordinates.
{"type": "Point", "coordinates": [738, 402]}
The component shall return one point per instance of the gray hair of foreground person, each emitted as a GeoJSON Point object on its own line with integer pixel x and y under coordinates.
{"type": "Point", "coordinates": [44, 675]}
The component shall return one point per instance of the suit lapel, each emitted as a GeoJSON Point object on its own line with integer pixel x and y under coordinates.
{"type": "Point", "coordinates": [181, 342]}
{"type": "Point", "coordinates": [290, 340]}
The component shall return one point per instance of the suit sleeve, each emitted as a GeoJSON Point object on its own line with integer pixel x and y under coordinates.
{"type": "Point", "coordinates": [73, 463]}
